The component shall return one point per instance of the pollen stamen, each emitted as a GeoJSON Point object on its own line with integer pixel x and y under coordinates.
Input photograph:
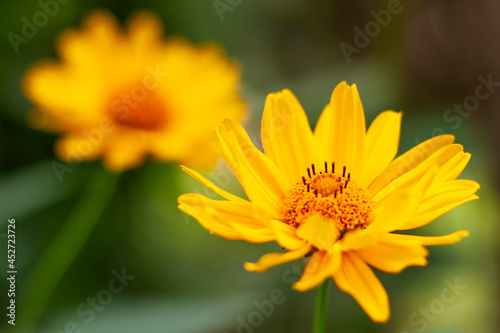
{"type": "Point", "coordinates": [336, 197]}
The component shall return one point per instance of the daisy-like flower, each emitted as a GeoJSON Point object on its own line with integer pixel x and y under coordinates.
{"type": "Point", "coordinates": [123, 95]}
{"type": "Point", "coordinates": [336, 194]}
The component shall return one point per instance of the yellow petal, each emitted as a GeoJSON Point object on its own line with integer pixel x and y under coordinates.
{"type": "Point", "coordinates": [286, 235]}
{"type": "Point", "coordinates": [125, 149]}
{"type": "Point", "coordinates": [453, 167]}
{"type": "Point", "coordinates": [356, 278]}
{"type": "Point", "coordinates": [205, 182]}
{"type": "Point", "coordinates": [341, 129]}
{"type": "Point", "coordinates": [62, 96]}
{"type": "Point", "coordinates": [359, 239]}
{"type": "Point", "coordinates": [321, 266]}
{"type": "Point", "coordinates": [99, 37]}
{"type": "Point", "coordinates": [400, 205]}
{"type": "Point", "coordinates": [273, 259]}
{"type": "Point", "coordinates": [439, 201]}
{"type": "Point", "coordinates": [409, 160]}
{"type": "Point", "coordinates": [439, 159]}
{"type": "Point", "coordinates": [432, 240]}
{"type": "Point", "coordinates": [232, 220]}
{"type": "Point", "coordinates": [206, 218]}
{"type": "Point", "coordinates": [318, 231]}
{"type": "Point", "coordinates": [263, 182]}
{"type": "Point", "coordinates": [286, 135]}
{"type": "Point", "coordinates": [145, 30]}
{"type": "Point", "coordinates": [391, 255]}
{"type": "Point", "coordinates": [75, 148]}
{"type": "Point", "coordinates": [382, 141]}
{"type": "Point", "coordinates": [252, 235]}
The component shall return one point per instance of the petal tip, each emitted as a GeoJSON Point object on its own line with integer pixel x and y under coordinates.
{"type": "Point", "coordinates": [252, 267]}
{"type": "Point", "coordinates": [300, 287]}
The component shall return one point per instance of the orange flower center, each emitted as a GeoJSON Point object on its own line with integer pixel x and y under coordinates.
{"type": "Point", "coordinates": [141, 109]}
{"type": "Point", "coordinates": [333, 196]}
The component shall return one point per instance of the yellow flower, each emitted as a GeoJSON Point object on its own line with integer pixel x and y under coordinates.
{"type": "Point", "coordinates": [124, 95]}
{"type": "Point", "coordinates": [335, 193]}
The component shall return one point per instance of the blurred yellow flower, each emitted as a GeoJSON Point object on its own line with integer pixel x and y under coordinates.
{"type": "Point", "coordinates": [335, 193]}
{"type": "Point", "coordinates": [124, 95]}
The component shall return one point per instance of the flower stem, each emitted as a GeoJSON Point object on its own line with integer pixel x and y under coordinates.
{"type": "Point", "coordinates": [66, 245]}
{"type": "Point", "coordinates": [319, 325]}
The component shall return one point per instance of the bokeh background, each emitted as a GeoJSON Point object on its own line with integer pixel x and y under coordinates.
{"type": "Point", "coordinates": [429, 57]}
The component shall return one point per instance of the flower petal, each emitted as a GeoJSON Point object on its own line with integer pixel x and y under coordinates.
{"type": "Point", "coordinates": [439, 201]}
{"type": "Point", "coordinates": [438, 159]}
{"type": "Point", "coordinates": [232, 220]}
{"type": "Point", "coordinates": [69, 148]}
{"type": "Point", "coordinates": [205, 182]}
{"type": "Point", "coordinates": [410, 160]}
{"type": "Point", "coordinates": [358, 239]}
{"type": "Point", "coordinates": [318, 231]}
{"type": "Point", "coordinates": [321, 266]}
{"type": "Point", "coordinates": [452, 168]}
{"type": "Point", "coordinates": [400, 205]}
{"type": "Point", "coordinates": [286, 235]}
{"type": "Point", "coordinates": [125, 149]}
{"type": "Point", "coordinates": [145, 30]}
{"type": "Point", "coordinates": [382, 141]}
{"type": "Point", "coordinates": [432, 240]}
{"type": "Point", "coordinates": [341, 129]}
{"type": "Point", "coordinates": [356, 278]}
{"type": "Point", "coordinates": [286, 135]}
{"type": "Point", "coordinates": [391, 255]}
{"type": "Point", "coordinates": [264, 184]}
{"type": "Point", "coordinates": [273, 259]}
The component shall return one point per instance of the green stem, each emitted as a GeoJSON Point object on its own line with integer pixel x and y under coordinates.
{"type": "Point", "coordinates": [63, 250]}
{"type": "Point", "coordinates": [319, 325]}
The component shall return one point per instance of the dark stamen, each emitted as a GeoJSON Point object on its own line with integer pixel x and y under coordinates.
{"type": "Point", "coordinates": [349, 176]}
{"type": "Point", "coordinates": [326, 167]}
{"type": "Point", "coordinates": [314, 169]}
{"type": "Point", "coordinates": [309, 172]}
{"type": "Point", "coordinates": [343, 172]}
{"type": "Point", "coordinates": [304, 180]}
{"type": "Point", "coordinates": [316, 192]}
{"type": "Point", "coordinates": [341, 189]}
{"type": "Point", "coordinates": [346, 182]}
{"type": "Point", "coordinates": [308, 188]}
{"type": "Point", "coordinates": [333, 167]}
{"type": "Point", "coordinates": [335, 194]}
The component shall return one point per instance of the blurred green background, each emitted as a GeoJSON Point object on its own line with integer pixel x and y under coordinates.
{"type": "Point", "coordinates": [429, 57]}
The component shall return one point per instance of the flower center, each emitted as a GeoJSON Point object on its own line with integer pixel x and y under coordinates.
{"type": "Point", "coordinates": [333, 196]}
{"type": "Point", "coordinates": [139, 109]}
